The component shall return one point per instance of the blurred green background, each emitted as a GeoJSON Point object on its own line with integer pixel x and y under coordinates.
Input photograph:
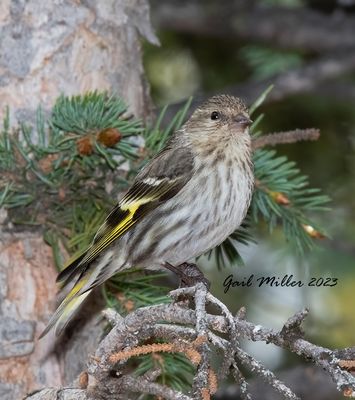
{"type": "Point", "coordinates": [192, 62]}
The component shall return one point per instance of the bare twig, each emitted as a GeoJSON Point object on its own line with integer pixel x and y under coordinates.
{"type": "Point", "coordinates": [242, 383]}
{"type": "Point", "coordinates": [63, 393]}
{"type": "Point", "coordinates": [229, 358]}
{"type": "Point", "coordinates": [201, 381]}
{"type": "Point", "coordinates": [292, 327]}
{"type": "Point", "coordinates": [265, 374]}
{"type": "Point", "coordinates": [143, 385]}
{"type": "Point", "coordinates": [297, 135]}
{"type": "Point", "coordinates": [347, 358]}
{"type": "Point", "coordinates": [324, 358]}
{"type": "Point", "coordinates": [112, 316]}
{"type": "Point", "coordinates": [248, 360]}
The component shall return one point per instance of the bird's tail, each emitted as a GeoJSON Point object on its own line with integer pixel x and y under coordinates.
{"type": "Point", "coordinates": [89, 275]}
{"type": "Point", "coordinates": [75, 297]}
{"type": "Point", "coordinates": [64, 313]}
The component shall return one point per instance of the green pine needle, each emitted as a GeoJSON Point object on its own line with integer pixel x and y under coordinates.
{"type": "Point", "coordinates": [92, 113]}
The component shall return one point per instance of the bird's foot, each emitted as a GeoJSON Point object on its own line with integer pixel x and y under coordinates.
{"type": "Point", "coordinates": [189, 274]}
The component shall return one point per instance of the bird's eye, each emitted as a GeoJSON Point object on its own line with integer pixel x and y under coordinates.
{"type": "Point", "coordinates": [215, 115]}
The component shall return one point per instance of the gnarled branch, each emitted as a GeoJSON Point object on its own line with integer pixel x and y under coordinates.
{"type": "Point", "coordinates": [196, 331]}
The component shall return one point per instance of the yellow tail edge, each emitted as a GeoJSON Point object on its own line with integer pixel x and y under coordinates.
{"type": "Point", "coordinates": [64, 313]}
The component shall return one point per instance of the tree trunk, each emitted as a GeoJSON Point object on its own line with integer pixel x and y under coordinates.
{"type": "Point", "coordinates": [70, 47]}
{"type": "Point", "coordinates": [49, 48]}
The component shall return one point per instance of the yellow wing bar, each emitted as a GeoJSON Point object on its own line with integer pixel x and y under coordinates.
{"type": "Point", "coordinates": [117, 231]}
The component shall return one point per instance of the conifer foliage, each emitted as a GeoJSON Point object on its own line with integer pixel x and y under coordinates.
{"type": "Point", "coordinates": [63, 174]}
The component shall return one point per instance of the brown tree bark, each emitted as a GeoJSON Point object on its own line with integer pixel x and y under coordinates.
{"type": "Point", "coordinates": [49, 48]}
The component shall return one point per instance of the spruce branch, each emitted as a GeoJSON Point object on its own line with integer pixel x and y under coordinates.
{"type": "Point", "coordinates": [282, 195]}
{"type": "Point", "coordinates": [69, 160]}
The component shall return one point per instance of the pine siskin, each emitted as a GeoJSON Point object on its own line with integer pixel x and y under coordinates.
{"type": "Point", "coordinates": [190, 197]}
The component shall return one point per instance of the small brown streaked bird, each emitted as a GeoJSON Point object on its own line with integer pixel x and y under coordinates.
{"type": "Point", "coordinates": [188, 199]}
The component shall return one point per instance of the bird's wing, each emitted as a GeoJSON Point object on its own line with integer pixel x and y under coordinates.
{"type": "Point", "coordinates": [161, 179]}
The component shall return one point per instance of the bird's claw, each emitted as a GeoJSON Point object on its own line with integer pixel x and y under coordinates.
{"type": "Point", "coordinates": [189, 274]}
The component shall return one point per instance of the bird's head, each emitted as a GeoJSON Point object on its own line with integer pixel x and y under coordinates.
{"type": "Point", "coordinates": [220, 117]}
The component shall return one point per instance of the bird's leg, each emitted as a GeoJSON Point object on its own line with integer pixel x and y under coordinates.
{"type": "Point", "coordinates": [189, 274]}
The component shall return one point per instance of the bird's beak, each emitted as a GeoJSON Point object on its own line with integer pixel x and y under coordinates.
{"type": "Point", "coordinates": [243, 120]}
